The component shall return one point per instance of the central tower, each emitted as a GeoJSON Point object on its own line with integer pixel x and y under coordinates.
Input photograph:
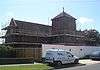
{"type": "Point", "coordinates": [63, 24]}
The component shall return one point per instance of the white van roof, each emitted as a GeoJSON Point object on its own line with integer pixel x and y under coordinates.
{"type": "Point", "coordinates": [53, 49]}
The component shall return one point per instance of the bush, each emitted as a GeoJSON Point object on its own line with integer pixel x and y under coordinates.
{"type": "Point", "coordinates": [6, 51]}
{"type": "Point", "coordinates": [16, 60]}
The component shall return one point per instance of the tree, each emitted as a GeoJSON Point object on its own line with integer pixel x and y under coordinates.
{"type": "Point", "coordinates": [6, 51]}
{"type": "Point", "coordinates": [92, 37]}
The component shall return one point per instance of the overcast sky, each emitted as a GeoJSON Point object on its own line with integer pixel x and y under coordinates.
{"type": "Point", "coordinates": [87, 12]}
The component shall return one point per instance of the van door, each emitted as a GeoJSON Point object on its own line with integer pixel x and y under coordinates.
{"type": "Point", "coordinates": [62, 57]}
{"type": "Point", "coordinates": [70, 57]}
{"type": "Point", "coordinates": [65, 58]}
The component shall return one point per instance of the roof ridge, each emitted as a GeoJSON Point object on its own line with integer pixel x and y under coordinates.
{"type": "Point", "coordinates": [31, 22]}
{"type": "Point", "coordinates": [62, 14]}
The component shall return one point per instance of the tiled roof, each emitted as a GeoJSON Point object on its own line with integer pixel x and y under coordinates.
{"type": "Point", "coordinates": [30, 28]}
{"type": "Point", "coordinates": [62, 14]}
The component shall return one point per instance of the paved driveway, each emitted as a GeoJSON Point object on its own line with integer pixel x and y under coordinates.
{"type": "Point", "coordinates": [88, 62]}
{"type": "Point", "coordinates": [83, 65]}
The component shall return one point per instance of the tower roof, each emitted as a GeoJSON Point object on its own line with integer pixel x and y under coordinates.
{"type": "Point", "coordinates": [63, 14]}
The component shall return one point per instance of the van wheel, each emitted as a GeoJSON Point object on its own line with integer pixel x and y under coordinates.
{"type": "Point", "coordinates": [58, 63]}
{"type": "Point", "coordinates": [76, 61]}
{"type": "Point", "coordinates": [50, 64]}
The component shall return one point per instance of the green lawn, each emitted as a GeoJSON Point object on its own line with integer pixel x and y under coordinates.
{"type": "Point", "coordinates": [26, 67]}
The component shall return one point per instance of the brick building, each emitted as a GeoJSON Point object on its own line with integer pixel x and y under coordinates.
{"type": "Point", "coordinates": [62, 31]}
{"type": "Point", "coordinates": [27, 35]}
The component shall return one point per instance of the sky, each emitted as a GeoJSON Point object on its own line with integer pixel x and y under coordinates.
{"type": "Point", "coordinates": [87, 12]}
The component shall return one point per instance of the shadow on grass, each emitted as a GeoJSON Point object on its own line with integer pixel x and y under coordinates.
{"type": "Point", "coordinates": [66, 66]}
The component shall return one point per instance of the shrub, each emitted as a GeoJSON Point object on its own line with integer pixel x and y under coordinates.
{"type": "Point", "coordinates": [6, 51]}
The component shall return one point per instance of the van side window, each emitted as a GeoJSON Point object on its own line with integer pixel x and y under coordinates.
{"type": "Point", "coordinates": [80, 49]}
{"type": "Point", "coordinates": [70, 50]}
{"type": "Point", "coordinates": [60, 54]}
{"type": "Point", "coordinates": [69, 54]}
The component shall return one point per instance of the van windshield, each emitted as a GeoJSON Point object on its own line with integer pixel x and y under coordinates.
{"type": "Point", "coordinates": [48, 53]}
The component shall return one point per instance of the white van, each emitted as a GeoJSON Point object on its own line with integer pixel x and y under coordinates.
{"type": "Point", "coordinates": [59, 56]}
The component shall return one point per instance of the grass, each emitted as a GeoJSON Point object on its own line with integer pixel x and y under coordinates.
{"type": "Point", "coordinates": [26, 67]}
